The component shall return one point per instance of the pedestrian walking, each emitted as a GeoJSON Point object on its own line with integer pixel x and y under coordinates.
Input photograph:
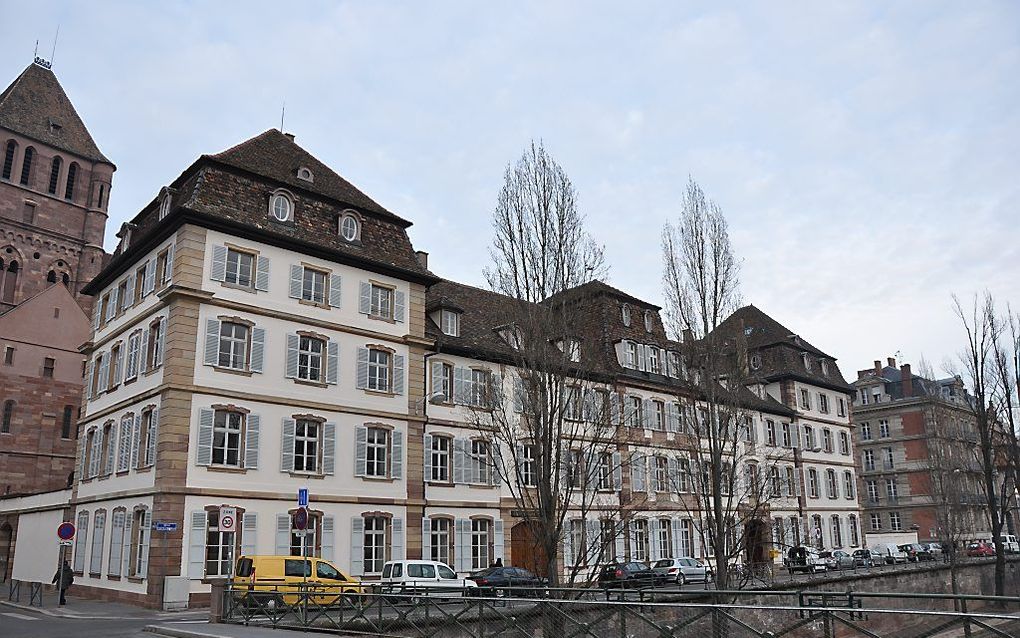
{"type": "Point", "coordinates": [63, 579]}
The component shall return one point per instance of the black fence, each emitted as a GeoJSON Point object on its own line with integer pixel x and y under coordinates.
{"type": "Point", "coordinates": [600, 613]}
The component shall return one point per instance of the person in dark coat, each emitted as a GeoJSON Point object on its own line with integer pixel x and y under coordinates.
{"type": "Point", "coordinates": [63, 579]}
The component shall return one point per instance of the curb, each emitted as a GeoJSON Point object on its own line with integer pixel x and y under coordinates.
{"type": "Point", "coordinates": [74, 616]}
{"type": "Point", "coordinates": [172, 632]}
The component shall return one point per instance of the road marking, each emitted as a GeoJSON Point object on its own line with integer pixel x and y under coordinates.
{"type": "Point", "coordinates": [19, 616]}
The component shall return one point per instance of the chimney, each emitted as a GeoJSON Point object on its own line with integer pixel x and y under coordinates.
{"type": "Point", "coordinates": [878, 368]}
{"type": "Point", "coordinates": [892, 362]}
{"type": "Point", "coordinates": [907, 380]}
{"type": "Point", "coordinates": [290, 136]}
{"type": "Point", "coordinates": [423, 258]}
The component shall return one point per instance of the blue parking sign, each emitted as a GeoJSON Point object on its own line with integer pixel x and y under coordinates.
{"type": "Point", "coordinates": [302, 497]}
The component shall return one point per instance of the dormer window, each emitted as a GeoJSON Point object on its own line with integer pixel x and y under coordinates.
{"type": "Point", "coordinates": [350, 228]}
{"type": "Point", "coordinates": [305, 174]}
{"type": "Point", "coordinates": [512, 335]}
{"type": "Point", "coordinates": [825, 366]}
{"type": "Point", "coordinates": [755, 361]}
{"type": "Point", "coordinates": [570, 347]}
{"type": "Point", "coordinates": [449, 322]}
{"type": "Point", "coordinates": [648, 320]}
{"type": "Point", "coordinates": [164, 204]}
{"type": "Point", "coordinates": [626, 315]}
{"type": "Point", "coordinates": [281, 208]}
{"type": "Point", "coordinates": [807, 361]}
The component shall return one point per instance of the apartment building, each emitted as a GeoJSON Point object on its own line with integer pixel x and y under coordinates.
{"type": "Point", "coordinates": [906, 427]}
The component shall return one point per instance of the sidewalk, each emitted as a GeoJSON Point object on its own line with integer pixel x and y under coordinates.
{"type": "Point", "coordinates": [215, 631]}
{"type": "Point", "coordinates": [85, 608]}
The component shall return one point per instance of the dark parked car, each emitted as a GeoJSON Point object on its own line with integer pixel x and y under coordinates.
{"type": "Point", "coordinates": [631, 575]}
{"type": "Point", "coordinates": [864, 558]}
{"type": "Point", "coordinates": [503, 581]}
{"type": "Point", "coordinates": [916, 552]}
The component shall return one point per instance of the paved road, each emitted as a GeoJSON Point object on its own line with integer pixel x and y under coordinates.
{"type": "Point", "coordinates": [17, 622]}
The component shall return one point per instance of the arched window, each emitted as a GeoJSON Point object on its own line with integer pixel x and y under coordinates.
{"type": "Point", "coordinates": [26, 165]}
{"type": "Point", "coordinates": [65, 278]}
{"type": "Point", "coordinates": [102, 192]}
{"type": "Point", "coordinates": [51, 277]}
{"type": "Point", "coordinates": [65, 424]}
{"type": "Point", "coordinates": [5, 426]}
{"type": "Point", "coordinates": [72, 174]}
{"type": "Point", "coordinates": [10, 282]}
{"type": "Point", "coordinates": [9, 151]}
{"type": "Point", "coordinates": [54, 176]}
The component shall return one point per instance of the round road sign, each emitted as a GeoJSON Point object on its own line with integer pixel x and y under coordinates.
{"type": "Point", "coordinates": [227, 522]}
{"type": "Point", "coordinates": [301, 518]}
{"type": "Point", "coordinates": [65, 531]}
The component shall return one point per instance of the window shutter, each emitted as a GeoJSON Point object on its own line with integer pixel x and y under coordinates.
{"type": "Point", "coordinates": [82, 454]}
{"type": "Point", "coordinates": [111, 310]}
{"type": "Point", "coordinates": [218, 272]}
{"type": "Point", "coordinates": [459, 461]}
{"type": "Point", "coordinates": [495, 463]}
{"type": "Point", "coordinates": [143, 352]}
{"type": "Point", "coordinates": [249, 529]}
{"type": "Point", "coordinates": [287, 447]}
{"type": "Point", "coordinates": [146, 534]}
{"type": "Point", "coordinates": [362, 368]}
{"type": "Point", "coordinates": [335, 290]}
{"type": "Point", "coordinates": [88, 378]}
{"type": "Point", "coordinates": [649, 413]}
{"type": "Point", "coordinates": [426, 539]}
{"type": "Point", "coordinates": [258, 348]}
{"type": "Point", "coordinates": [111, 451]}
{"type": "Point", "coordinates": [398, 306]}
{"type": "Point", "coordinates": [397, 547]}
{"type": "Point", "coordinates": [205, 437]}
{"type": "Point", "coordinates": [293, 347]}
{"type": "Point", "coordinates": [120, 366]}
{"type": "Point", "coordinates": [129, 293]}
{"type": "Point", "coordinates": [637, 472]}
{"type": "Point", "coordinates": [196, 546]}
{"type": "Point", "coordinates": [653, 539]}
{"type": "Point", "coordinates": [617, 471]}
{"type": "Point", "coordinates": [357, 546]}
{"type": "Point", "coordinates": [137, 439]}
{"type": "Point", "coordinates": [620, 550]}
{"type": "Point", "coordinates": [328, 537]}
{"type": "Point", "coordinates": [332, 362]}
{"type": "Point", "coordinates": [297, 276]}
{"type": "Point", "coordinates": [365, 298]}
{"type": "Point", "coordinates": [262, 274]}
{"type": "Point", "coordinates": [124, 447]}
{"type": "Point", "coordinates": [568, 544]}
{"type": "Point", "coordinates": [593, 541]}
{"type": "Point", "coordinates": [436, 379]}
{"type": "Point", "coordinates": [328, 448]}
{"type": "Point", "coordinates": [168, 274]}
{"type": "Point", "coordinates": [428, 457]}
{"type": "Point", "coordinates": [518, 395]}
{"type": "Point", "coordinates": [126, 558]}
{"type": "Point", "coordinates": [104, 373]}
{"type": "Point", "coordinates": [614, 409]}
{"type": "Point", "coordinates": [679, 551]}
{"type": "Point", "coordinates": [460, 385]}
{"type": "Point", "coordinates": [397, 455]}
{"type": "Point", "coordinates": [282, 535]}
{"type": "Point", "coordinates": [96, 312]}
{"type": "Point", "coordinates": [161, 351]}
{"type": "Point", "coordinates": [251, 442]}
{"type": "Point", "coordinates": [153, 437]}
{"type": "Point", "coordinates": [497, 539]}
{"type": "Point", "coordinates": [81, 541]}
{"type": "Point", "coordinates": [398, 374]}
{"type": "Point", "coordinates": [673, 416]}
{"type": "Point", "coordinates": [462, 545]}
{"type": "Point", "coordinates": [150, 276]}
{"type": "Point", "coordinates": [360, 450]}
{"type": "Point", "coordinates": [97, 446]}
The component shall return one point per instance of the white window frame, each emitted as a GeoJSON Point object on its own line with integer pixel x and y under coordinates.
{"type": "Point", "coordinates": [449, 322]}
{"type": "Point", "coordinates": [281, 208]}
{"type": "Point", "coordinates": [440, 461]}
{"type": "Point", "coordinates": [228, 437]}
{"type": "Point", "coordinates": [314, 285]}
{"type": "Point", "coordinates": [377, 452]}
{"type": "Point", "coordinates": [481, 542]}
{"type": "Point", "coordinates": [374, 544]}
{"type": "Point", "coordinates": [233, 273]}
{"type": "Point", "coordinates": [381, 301]}
{"type": "Point", "coordinates": [235, 345]}
{"type": "Point", "coordinates": [380, 370]}
{"type": "Point", "coordinates": [303, 440]}
{"type": "Point", "coordinates": [309, 360]}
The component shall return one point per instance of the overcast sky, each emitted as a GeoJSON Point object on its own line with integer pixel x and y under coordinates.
{"type": "Point", "coordinates": [867, 156]}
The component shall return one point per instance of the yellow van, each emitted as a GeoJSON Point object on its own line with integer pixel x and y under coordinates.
{"type": "Point", "coordinates": [271, 580]}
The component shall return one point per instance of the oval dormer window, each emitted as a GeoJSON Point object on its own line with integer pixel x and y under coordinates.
{"type": "Point", "coordinates": [349, 228]}
{"type": "Point", "coordinates": [755, 361]}
{"type": "Point", "coordinates": [626, 315]}
{"type": "Point", "coordinates": [648, 320]}
{"type": "Point", "coordinates": [281, 208]}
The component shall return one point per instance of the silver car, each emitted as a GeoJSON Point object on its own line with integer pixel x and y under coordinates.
{"type": "Point", "coordinates": [681, 570]}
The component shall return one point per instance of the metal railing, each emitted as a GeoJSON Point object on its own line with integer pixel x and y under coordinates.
{"type": "Point", "coordinates": [35, 592]}
{"type": "Point", "coordinates": [621, 613]}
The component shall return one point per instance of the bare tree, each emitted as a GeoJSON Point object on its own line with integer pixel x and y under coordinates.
{"type": "Point", "coordinates": [1006, 402]}
{"type": "Point", "coordinates": [701, 288]}
{"type": "Point", "coordinates": [553, 438]}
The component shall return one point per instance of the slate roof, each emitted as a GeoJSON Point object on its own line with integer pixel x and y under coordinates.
{"type": "Point", "coordinates": [274, 155]}
{"type": "Point", "coordinates": [36, 106]}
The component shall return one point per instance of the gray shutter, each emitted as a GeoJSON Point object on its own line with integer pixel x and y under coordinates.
{"type": "Point", "coordinates": [673, 416]}
{"type": "Point", "coordinates": [357, 546]}
{"type": "Point", "coordinates": [161, 351]}
{"type": "Point", "coordinates": [436, 379]}
{"type": "Point", "coordinates": [297, 275]}
{"type": "Point", "coordinates": [211, 342]}
{"type": "Point", "coordinates": [398, 374]}
{"type": "Point", "coordinates": [653, 539]}
{"type": "Point", "coordinates": [362, 368]}
{"type": "Point", "coordinates": [262, 274]}
{"type": "Point", "coordinates": [360, 450]}
{"type": "Point", "coordinates": [205, 437]}
{"type": "Point", "coordinates": [617, 471]}
{"type": "Point", "coordinates": [518, 395]}
{"type": "Point", "coordinates": [249, 529]}
{"type": "Point", "coordinates": [124, 448]}
{"type": "Point", "coordinates": [143, 352]}
{"type": "Point", "coordinates": [365, 298]}
{"type": "Point", "coordinates": [126, 558]}
{"type": "Point", "coordinates": [153, 437]}
{"type": "Point", "coordinates": [397, 546]}
{"type": "Point", "coordinates": [673, 474]}
{"type": "Point", "coordinates": [462, 545]}
{"type": "Point", "coordinates": [619, 548]}
{"type": "Point", "coordinates": [147, 532]}
{"type": "Point", "coordinates": [332, 362]}
{"type": "Point", "coordinates": [398, 306]}
{"type": "Point", "coordinates": [196, 546]}
{"type": "Point", "coordinates": [593, 540]}
{"type": "Point", "coordinates": [460, 385]}
{"type": "Point", "coordinates": [96, 312]}
{"type": "Point", "coordinates": [649, 413]}
{"type": "Point", "coordinates": [498, 539]}
{"type": "Point", "coordinates": [150, 277]}
{"type": "Point", "coordinates": [335, 290]}
{"type": "Point", "coordinates": [459, 461]}
{"type": "Point", "coordinates": [258, 348]}
{"type": "Point", "coordinates": [287, 446]}
{"type": "Point", "coordinates": [328, 448]}
{"type": "Point", "coordinates": [328, 537]}
{"type": "Point", "coordinates": [282, 535]}
{"type": "Point", "coordinates": [129, 293]}
{"type": "Point", "coordinates": [495, 462]}
{"type": "Point", "coordinates": [637, 472]}
{"type": "Point", "coordinates": [168, 274]}
{"type": "Point", "coordinates": [428, 457]}
{"type": "Point", "coordinates": [218, 271]}
{"type": "Point", "coordinates": [251, 442]}
{"type": "Point", "coordinates": [397, 455]}
{"type": "Point", "coordinates": [614, 409]}
{"type": "Point", "coordinates": [426, 539]}
{"type": "Point", "coordinates": [137, 440]}
{"type": "Point", "coordinates": [293, 347]}
{"type": "Point", "coordinates": [88, 378]}
{"type": "Point", "coordinates": [111, 310]}
{"type": "Point", "coordinates": [569, 557]}
{"type": "Point", "coordinates": [104, 373]}
{"type": "Point", "coordinates": [111, 451]}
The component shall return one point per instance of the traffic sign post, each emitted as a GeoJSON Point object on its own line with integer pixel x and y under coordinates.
{"type": "Point", "coordinates": [65, 534]}
{"type": "Point", "coordinates": [165, 527]}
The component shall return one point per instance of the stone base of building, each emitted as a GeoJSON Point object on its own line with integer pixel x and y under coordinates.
{"type": "Point", "coordinates": [149, 601]}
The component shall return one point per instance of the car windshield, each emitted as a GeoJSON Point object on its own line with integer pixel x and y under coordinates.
{"type": "Point", "coordinates": [446, 572]}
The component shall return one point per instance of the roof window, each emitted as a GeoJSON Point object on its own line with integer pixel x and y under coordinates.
{"type": "Point", "coordinates": [305, 174]}
{"type": "Point", "coordinates": [626, 315]}
{"type": "Point", "coordinates": [281, 207]}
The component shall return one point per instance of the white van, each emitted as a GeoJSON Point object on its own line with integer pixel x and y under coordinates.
{"type": "Point", "coordinates": [890, 553]}
{"type": "Point", "coordinates": [426, 577]}
{"type": "Point", "coordinates": [1010, 544]}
